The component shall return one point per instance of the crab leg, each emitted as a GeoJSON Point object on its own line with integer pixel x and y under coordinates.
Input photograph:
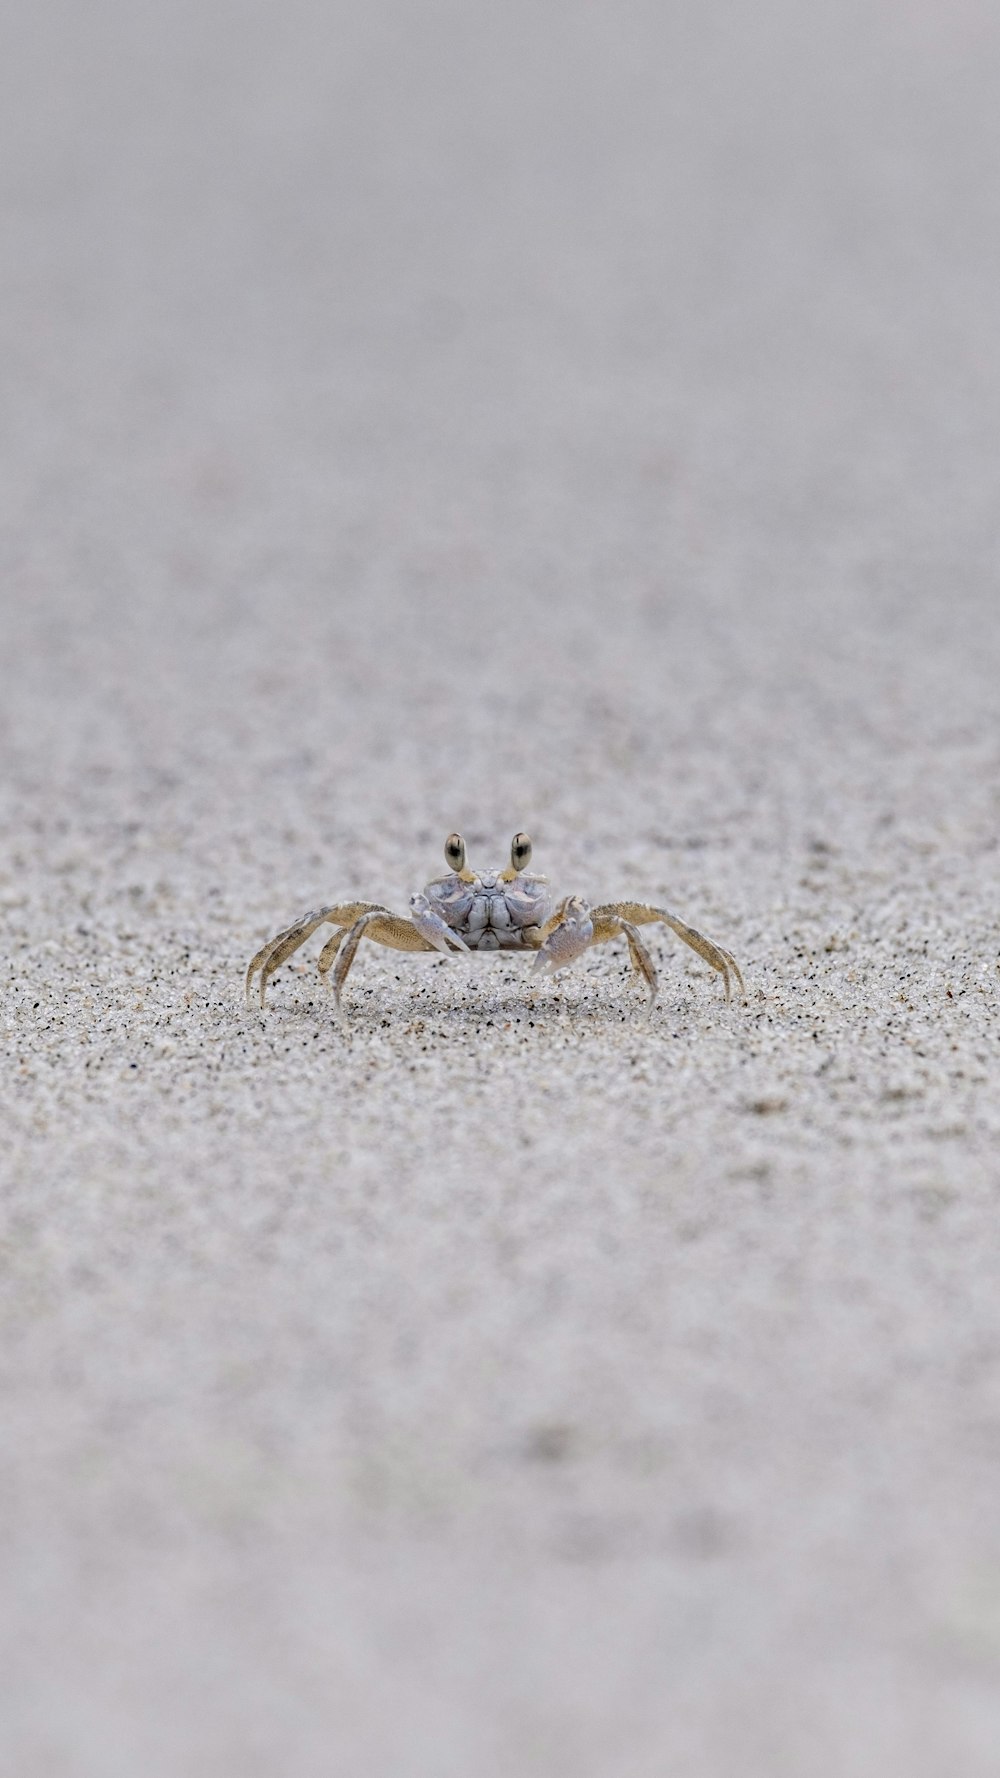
{"type": "Point", "coordinates": [574, 927]}
{"type": "Point", "coordinates": [329, 951]}
{"type": "Point", "coordinates": [642, 962]}
{"type": "Point", "coordinates": [385, 929]}
{"type": "Point", "coordinates": [565, 936]}
{"type": "Point", "coordinates": [431, 927]}
{"type": "Point", "coordinates": [637, 913]}
{"type": "Point", "coordinates": [272, 955]}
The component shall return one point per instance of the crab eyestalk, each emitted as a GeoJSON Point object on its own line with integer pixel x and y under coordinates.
{"type": "Point", "coordinates": [454, 852]}
{"type": "Point", "coordinates": [520, 852]}
{"type": "Point", "coordinates": [520, 857]}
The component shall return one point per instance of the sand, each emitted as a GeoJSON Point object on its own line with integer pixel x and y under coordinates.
{"type": "Point", "coordinates": [577, 419]}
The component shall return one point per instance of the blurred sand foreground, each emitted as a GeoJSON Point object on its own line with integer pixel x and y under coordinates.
{"type": "Point", "coordinates": [579, 418]}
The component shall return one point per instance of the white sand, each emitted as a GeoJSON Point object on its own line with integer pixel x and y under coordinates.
{"type": "Point", "coordinates": [583, 419]}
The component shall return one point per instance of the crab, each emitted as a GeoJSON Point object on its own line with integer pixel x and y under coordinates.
{"type": "Point", "coordinates": [481, 912]}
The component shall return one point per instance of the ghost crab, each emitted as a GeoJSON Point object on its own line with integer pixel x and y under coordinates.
{"type": "Point", "coordinates": [499, 910]}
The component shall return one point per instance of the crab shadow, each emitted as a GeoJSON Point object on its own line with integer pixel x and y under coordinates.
{"type": "Point", "coordinates": [496, 997]}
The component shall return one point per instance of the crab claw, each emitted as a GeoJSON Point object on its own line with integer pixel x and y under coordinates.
{"type": "Point", "coordinates": [571, 933]}
{"type": "Point", "coordinates": [431, 927]}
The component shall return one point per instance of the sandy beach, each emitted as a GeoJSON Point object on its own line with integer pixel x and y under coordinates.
{"type": "Point", "coordinates": [583, 420]}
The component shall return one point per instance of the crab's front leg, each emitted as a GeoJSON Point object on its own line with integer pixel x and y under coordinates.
{"type": "Point", "coordinates": [574, 927]}
{"type": "Point", "coordinates": [424, 931]}
{"type": "Point", "coordinates": [565, 936]}
{"type": "Point", "coordinates": [431, 927]}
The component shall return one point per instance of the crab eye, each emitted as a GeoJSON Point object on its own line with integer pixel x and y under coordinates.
{"type": "Point", "coordinates": [520, 851]}
{"type": "Point", "coordinates": [454, 851]}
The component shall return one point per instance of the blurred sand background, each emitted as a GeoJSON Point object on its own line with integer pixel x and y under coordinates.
{"type": "Point", "coordinates": [580, 418]}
